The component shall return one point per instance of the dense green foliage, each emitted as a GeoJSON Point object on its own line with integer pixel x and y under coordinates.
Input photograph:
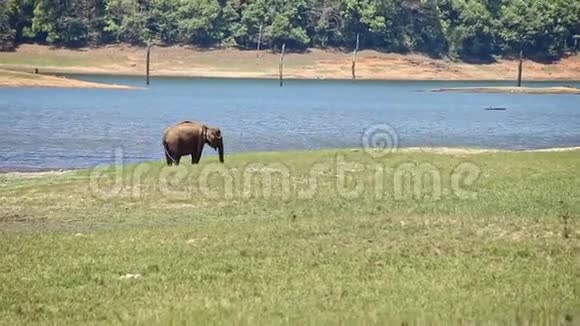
{"type": "Point", "coordinates": [470, 29]}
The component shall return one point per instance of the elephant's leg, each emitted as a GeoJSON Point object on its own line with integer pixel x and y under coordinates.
{"type": "Point", "coordinates": [168, 159]}
{"type": "Point", "coordinates": [195, 158]}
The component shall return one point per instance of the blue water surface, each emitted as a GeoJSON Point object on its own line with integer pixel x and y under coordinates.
{"type": "Point", "coordinates": [76, 128]}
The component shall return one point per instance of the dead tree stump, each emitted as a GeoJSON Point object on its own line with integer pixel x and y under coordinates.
{"type": "Point", "coordinates": [354, 57]}
{"type": "Point", "coordinates": [281, 66]}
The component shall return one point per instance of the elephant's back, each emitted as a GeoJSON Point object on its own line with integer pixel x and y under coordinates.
{"type": "Point", "coordinates": [182, 131]}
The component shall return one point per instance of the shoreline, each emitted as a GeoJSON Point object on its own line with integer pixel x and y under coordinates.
{"type": "Point", "coordinates": [512, 90]}
{"type": "Point", "coordinates": [55, 71]}
{"type": "Point", "coordinates": [312, 64]}
{"type": "Point", "coordinates": [18, 79]}
{"type": "Point", "coordinates": [14, 172]}
{"type": "Point", "coordinates": [52, 78]}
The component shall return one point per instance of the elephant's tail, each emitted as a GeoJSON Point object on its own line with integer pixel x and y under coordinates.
{"type": "Point", "coordinates": [167, 152]}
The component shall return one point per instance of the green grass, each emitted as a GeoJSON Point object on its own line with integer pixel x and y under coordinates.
{"type": "Point", "coordinates": [501, 247]}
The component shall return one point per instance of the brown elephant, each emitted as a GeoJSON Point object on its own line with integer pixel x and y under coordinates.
{"type": "Point", "coordinates": [188, 138]}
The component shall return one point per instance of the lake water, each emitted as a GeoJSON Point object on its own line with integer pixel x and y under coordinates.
{"type": "Point", "coordinates": [64, 128]}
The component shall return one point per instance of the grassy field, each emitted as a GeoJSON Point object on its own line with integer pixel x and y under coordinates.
{"type": "Point", "coordinates": [333, 236]}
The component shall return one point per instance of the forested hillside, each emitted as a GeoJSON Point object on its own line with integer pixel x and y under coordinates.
{"type": "Point", "coordinates": [466, 29]}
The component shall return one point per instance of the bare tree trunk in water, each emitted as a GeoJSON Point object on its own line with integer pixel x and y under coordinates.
{"type": "Point", "coordinates": [354, 57]}
{"type": "Point", "coordinates": [258, 48]}
{"type": "Point", "coordinates": [148, 60]}
{"type": "Point", "coordinates": [520, 68]}
{"type": "Point", "coordinates": [281, 67]}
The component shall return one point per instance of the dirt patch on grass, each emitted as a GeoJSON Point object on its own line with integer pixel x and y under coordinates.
{"type": "Point", "coordinates": [312, 64]}
{"type": "Point", "coordinates": [12, 219]}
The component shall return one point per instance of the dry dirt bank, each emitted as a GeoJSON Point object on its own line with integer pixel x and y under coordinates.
{"type": "Point", "coordinates": [23, 79]}
{"type": "Point", "coordinates": [313, 64]}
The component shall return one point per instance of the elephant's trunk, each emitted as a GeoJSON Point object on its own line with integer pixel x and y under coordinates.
{"type": "Point", "coordinates": [221, 150]}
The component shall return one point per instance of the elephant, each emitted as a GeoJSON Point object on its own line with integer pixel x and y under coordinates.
{"type": "Point", "coordinates": [188, 138]}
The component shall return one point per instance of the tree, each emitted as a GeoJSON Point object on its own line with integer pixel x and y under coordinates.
{"type": "Point", "coordinates": [126, 21]}
{"type": "Point", "coordinates": [426, 28]}
{"type": "Point", "coordinates": [68, 22]}
{"type": "Point", "coordinates": [288, 24]}
{"type": "Point", "coordinates": [467, 29]}
{"type": "Point", "coordinates": [326, 23]}
{"type": "Point", "coordinates": [470, 29]}
{"type": "Point", "coordinates": [544, 29]}
{"type": "Point", "coordinates": [20, 14]}
{"type": "Point", "coordinates": [163, 21]}
{"type": "Point", "coordinates": [228, 24]}
{"type": "Point", "coordinates": [255, 14]}
{"type": "Point", "coordinates": [7, 33]}
{"type": "Point", "coordinates": [363, 17]}
{"type": "Point", "coordinates": [549, 34]}
{"type": "Point", "coordinates": [198, 20]}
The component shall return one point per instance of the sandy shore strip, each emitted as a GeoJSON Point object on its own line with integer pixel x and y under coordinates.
{"type": "Point", "coordinates": [512, 89]}
{"type": "Point", "coordinates": [38, 174]}
{"type": "Point", "coordinates": [459, 150]}
{"type": "Point", "coordinates": [22, 79]}
{"type": "Point", "coordinates": [557, 149]}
